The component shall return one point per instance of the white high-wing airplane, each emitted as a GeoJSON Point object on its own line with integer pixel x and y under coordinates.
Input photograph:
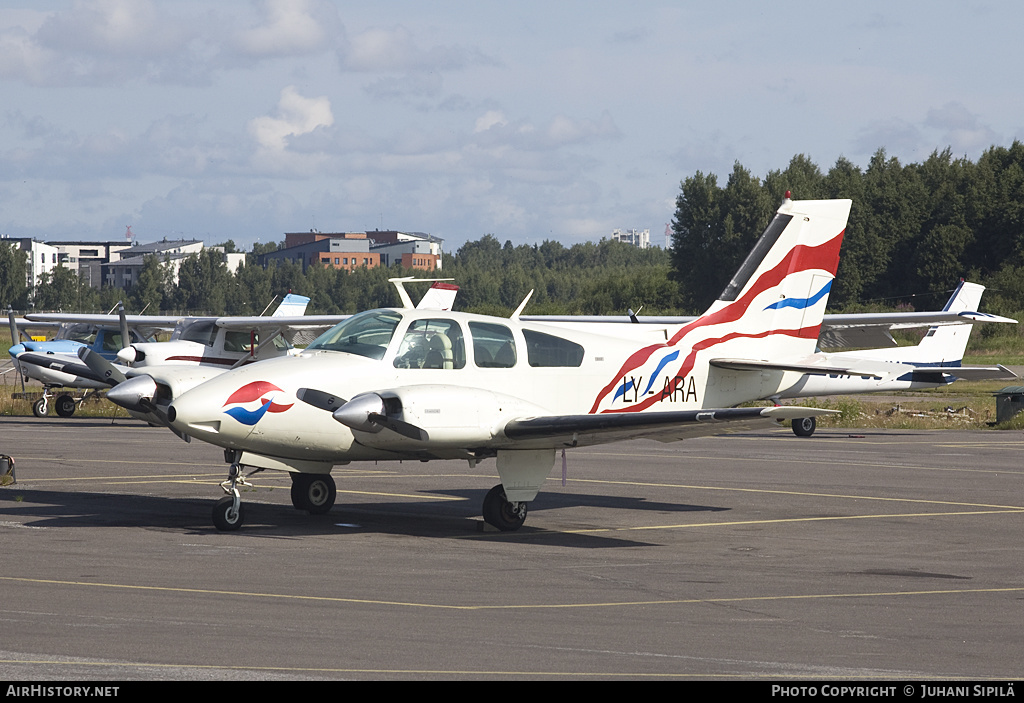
{"type": "Point", "coordinates": [199, 348]}
{"type": "Point", "coordinates": [54, 363]}
{"type": "Point", "coordinates": [415, 384]}
{"type": "Point", "coordinates": [935, 361]}
{"type": "Point", "coordinates": [213, 342]}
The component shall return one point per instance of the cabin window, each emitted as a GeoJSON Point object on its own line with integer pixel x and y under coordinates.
{"type": "Point", "coordinates": [237, 341]}
{"type": "Point", "coordinates": [432, 344]}
{"type": "Point", "coordinates": [493, 345]}
{"type": "Point", "coordinates": [366, 334]}
{"type": "Point", "coordinates": [200, 332]}
{"type": "Point", "coordinates": [548, 350]}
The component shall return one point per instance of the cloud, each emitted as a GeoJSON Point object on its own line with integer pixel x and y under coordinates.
{"type": "Point", "coordinates": [396, 49]}
{"type": "Point", "coordinates": [292, 27]}
{"type": "Point", "coordinates": [295, 116]}
{"type": "Point", "coordinates": [961, 129]}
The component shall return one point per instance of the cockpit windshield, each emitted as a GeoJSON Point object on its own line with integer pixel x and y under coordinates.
{"type": "Point", "coordinates": [366, 334]}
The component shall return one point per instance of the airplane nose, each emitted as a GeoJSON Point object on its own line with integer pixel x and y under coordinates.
{"type": "Point", "coordinates": [15, 350]}
{"type": "Point", "coordinates": [192, 415]}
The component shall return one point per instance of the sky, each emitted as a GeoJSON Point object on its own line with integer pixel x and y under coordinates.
{"type": "Point", "coordinates": [531, 121]}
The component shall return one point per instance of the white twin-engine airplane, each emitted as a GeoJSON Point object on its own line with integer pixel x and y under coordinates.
{"type": "Point", "coordinates": [419, 384]}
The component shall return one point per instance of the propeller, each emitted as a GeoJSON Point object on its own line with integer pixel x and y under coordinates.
{"type": "Point", "coordinates": [101, 367]}
{"type": "Point", "coordinates": [134, 393]}
{"type": "Point", "coordinates": [365, 413]}
{"type": "Point", "coordinates": [15, 335]}
{"type": "Point", "coordinates": [126, 335]}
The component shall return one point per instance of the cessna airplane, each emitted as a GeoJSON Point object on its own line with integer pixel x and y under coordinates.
{"type": "Point", "coordinates": [416, 384]}
{"type": "Point", "coordinates": [936, 361]}
{"type": "Point", "coordinates": [199, 348]}
{"type": "Point", "coordinates": [54, 362]}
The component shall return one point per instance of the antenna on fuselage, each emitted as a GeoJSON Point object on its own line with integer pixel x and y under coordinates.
{"type": "Point", "coordinates": [515, 315]}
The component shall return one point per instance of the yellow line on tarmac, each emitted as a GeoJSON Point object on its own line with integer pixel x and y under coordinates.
{"type": "Point", "coordinates": [520, 606]}
{"type": "Point", "coordinates": [736, 523]}
{"type": "Point", "coordinates": [814, 462]}
{"type": "Point", "coordinates": [1012, 508]}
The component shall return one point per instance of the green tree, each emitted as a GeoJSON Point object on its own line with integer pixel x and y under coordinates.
{"type": "Point", "coordinates": [13, 273]}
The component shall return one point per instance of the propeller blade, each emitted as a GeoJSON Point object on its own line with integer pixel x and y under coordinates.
{"type": "Point", "coordinates": [15, 335]}
{"type": "Point", "coordinates": [403, 428]}
{"type": "Point", "coordinates": [126, 337]}
{"type": "Point", "coordinates": [322, 400]}
{"type": "Point", "coordinates": [101, 367]}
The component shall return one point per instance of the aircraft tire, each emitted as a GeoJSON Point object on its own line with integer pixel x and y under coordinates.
{"type": "Point", "coordinates": [314, 493]}
{"type": "Point", "coordinates": [804, 426]}
{"type": "Point", "coordinates": [64, 405]}
{"type": "Point", "coordinates": [39, 408]}
{"type": "Point", "coordinates": [224, 519]}
{"type": "Point", "coordinates": [500, 513]}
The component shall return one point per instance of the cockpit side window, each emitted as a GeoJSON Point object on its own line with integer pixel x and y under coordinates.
{"type": "Point", "coordinates": [432, 344]}
{"type": "Point", "coordinates": [366, 334]}
{"type": "Point", "coordinates": [494, 347]}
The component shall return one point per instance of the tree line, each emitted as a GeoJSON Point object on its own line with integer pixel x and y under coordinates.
{"type": "Point", "coordinates": [914, 229]}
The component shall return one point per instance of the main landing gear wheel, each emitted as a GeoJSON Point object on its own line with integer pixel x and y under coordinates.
{"type": "Point", "coordinates": [226, 517]}
{"type": "Point", "coordinates": [804, 426]}
{"type": "Point", "coordinates": [39, 408]}
{"type": "Point", "coordinates": [502, 514]}
{"type": "Point", "coordinates": [314, 493]}
{"type": "Point", "coordinates": [64, 405]}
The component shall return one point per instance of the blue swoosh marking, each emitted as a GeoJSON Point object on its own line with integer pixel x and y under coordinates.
{"type": "Point", "coordinates": [248, 417]}
{"type": "Point", "coordinates": [801, 303]}
{"type": "Point", "coordinates": [671, 357]}
{"type": "Point", "coordinates": [622, 390]}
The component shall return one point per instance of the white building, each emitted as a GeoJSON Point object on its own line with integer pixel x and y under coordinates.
{"type": "Point", "coordinates": [641, 239]}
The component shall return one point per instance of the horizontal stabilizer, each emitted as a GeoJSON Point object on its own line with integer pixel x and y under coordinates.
{"type": "Point", "coordinates": [813, 369]}
{"type": "Point", "coordinates": [982, 373]}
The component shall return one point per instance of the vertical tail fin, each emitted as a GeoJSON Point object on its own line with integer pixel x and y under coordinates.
{"type": "Point", "coordinates": [776, 301]}
{"type": "Point", "coordinates": [292, 306]}
{"type": "Point", "coordinates": [945, 344]}
{"type": "Point", "coordinates": [772, 309]}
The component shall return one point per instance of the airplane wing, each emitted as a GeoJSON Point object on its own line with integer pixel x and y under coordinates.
{"type": "Point", "coordinates": [873, 329]}
{"type": "Point", "coordinates": [586, 430]}
{"type": "Point", "coordinates": [301, 329]}
{"type": "Point", "coordinates": [145, 324]}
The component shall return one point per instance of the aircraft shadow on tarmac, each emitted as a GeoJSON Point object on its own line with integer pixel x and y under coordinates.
{"type": "Point", "coordinates": [270, 514]}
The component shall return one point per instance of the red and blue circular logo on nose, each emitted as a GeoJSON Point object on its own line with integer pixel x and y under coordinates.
{"type": "Point", "coordinates": [244, 400]}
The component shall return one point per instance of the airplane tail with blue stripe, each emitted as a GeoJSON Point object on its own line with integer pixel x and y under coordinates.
{"type": "Point", "coordinates": [774, 305]}
{"type": "Point", "coordinates": [770, 312]}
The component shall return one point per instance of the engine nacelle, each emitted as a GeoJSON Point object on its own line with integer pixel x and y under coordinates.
{"type": "Point", "coordinates": [450, 415]}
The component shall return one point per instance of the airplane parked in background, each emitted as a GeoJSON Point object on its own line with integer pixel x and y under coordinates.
{"type": "Point", "coordinates": [934, 362]}
{"type": "Point", "coordinates": [53, 363]}
{"type": "Point", "coordinates": [415, 384]}
{"type": "Point", "coordinates": [199, 348]}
